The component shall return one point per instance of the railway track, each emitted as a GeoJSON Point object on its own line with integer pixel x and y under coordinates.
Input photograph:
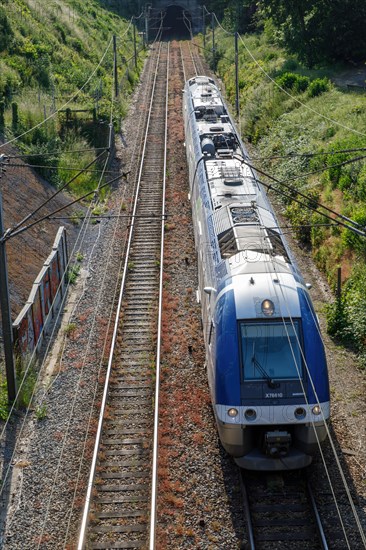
{"type": "Point", "coordinates": [120, 493]}
{"type": "Point", "coordinates": [191, 61]}
{"type": "Point", "coordinates": [280, 512]}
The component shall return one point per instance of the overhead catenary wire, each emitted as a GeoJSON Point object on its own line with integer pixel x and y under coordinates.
{"type": "Point", "coordinates": [312, 203]}
{"type": "Point", "coordinates": [333, 447]}
{"type": "Point", "coordinates": [45, 202]}
{"type": "Point", "coordinates": [344, 126]}
{"type": "Point", "coordinates": [277, 287]}
{"type": "Point", "coordinates": [57, 152]}
{"type": "Point", "coordinates": [344, 481]}
{"type": "Point", "coordinates": [13, 233]}
{"type": "Point", "coordinates": [283, 89]}
{"type": "Point", "coordinates": [309, 155]}
{"type": "Point", "coordinates": [77, 388]}
{"type": "Point", "coordinates": [63, 168]}
{"type": "Point", "coordinates": [300, 377]}
{"type": "Point", "coordinates": [341, 520]}
{"type": "Point", "coordinates": [99, 187]}
{"type": "Point", "coordinates": [96, 195]}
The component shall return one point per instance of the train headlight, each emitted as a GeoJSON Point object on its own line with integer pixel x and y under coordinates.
{"type": "Point", "coordinates": [267, 308]}
{"type": "Point", "coordinates": [250, 414]}
{"type": "Point", "coordinates": [232, 412]}
{"type": "Point", "coordinates": [316, 410]}
{"type": "Point", "coordinates": [300, 413]}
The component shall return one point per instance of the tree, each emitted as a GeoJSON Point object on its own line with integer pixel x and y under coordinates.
{"type": "Point", "coordinates": [6, 32]}
{"type": "Point", "coordinates": [318, 30]}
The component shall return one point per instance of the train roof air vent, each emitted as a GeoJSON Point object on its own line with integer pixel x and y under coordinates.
{"type": "Point", "coordinates": [216, 128]}
{"type": "Point", "coordinates": [244, 214]}
{"type": "Point", "coordinates": [233, 181]}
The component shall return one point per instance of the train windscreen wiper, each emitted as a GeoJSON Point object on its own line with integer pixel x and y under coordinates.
{"type": "Point", "coordinates": [271, 383]}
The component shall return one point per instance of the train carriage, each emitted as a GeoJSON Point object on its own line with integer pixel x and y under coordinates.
{"type": "Point", "coordinates": [265, 358]}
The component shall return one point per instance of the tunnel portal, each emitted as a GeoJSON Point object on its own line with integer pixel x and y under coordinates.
{"type": "Point", "coordinates": [179, 17]}
{"type": "Point", "coordinates": [177, 23]}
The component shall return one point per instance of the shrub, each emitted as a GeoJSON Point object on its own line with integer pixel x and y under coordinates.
{"type": "Point", "coordinates": [290, 64]}
{"type": "Point", "coordinates": [287, 80]}
{"type": "Point", "coordinates": [346, 318]}
{"type": "Point", "coordinates": [301, 217]}
{"type": "Point", "coordinates": [351, 239]}
{"type": "Point", "coordinates": [293, 81]}
{"type": "Point", "coordinates": [301, 84]}
{"type": "Point", "coordinates": [318, 87]}
{"type": "Point", "coordinates": [336, 319]}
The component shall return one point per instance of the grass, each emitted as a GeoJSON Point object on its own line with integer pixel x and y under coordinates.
{"type": "Point", "coordinates": [72, 274]}
{"type": "Point", "coordinates": [51, 51]}
{"type": "Point", "coordinates": [41, 412]}
{"type": "Point", "coordinates": [70, 329]}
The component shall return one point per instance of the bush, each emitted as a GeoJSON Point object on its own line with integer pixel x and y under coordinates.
{"type": "Point", "coordinates": [346, 318]}
{"type": "Point", "coordinates": [287, 80]}
{"type": "Point", "coordinates": [318, 87]}
{"type": "Point", "coordinates": [301, 216]}
{"type": "Point", "coordinates": [301, 84]}
{"type": "Point", "coordinates": [336, 319]}
{"type": "Point", "coordinates": [351, 239]}
{"type": "Point", "coordinates": [293, 81]}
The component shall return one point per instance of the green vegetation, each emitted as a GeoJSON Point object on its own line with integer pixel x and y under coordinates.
{"type": "Point", "coordinates": [72, 274]}
{"type": "Point", "coordinates": [315, 30]}
{"type": "Point", "coordinates": [41, 412]}
{"type": "Point", "coordinates": [293, 115]}
{"type": "Point", "coordinates": [70, 329]}
{"type": "Point", "coordinates": [58, 56]}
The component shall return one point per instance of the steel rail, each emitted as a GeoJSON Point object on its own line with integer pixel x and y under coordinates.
{"type": "Point", "coordinates": [158, 351]}
{"type": "Point", "coordinates": [186, 75]}
{"type": "Point", "coordinates": [307, 524]}
{"type": "Point", "coordinates": [315, 511]}
{"type": "Point", "coordinates": [85, 517]}
{"type": "Point", "coordinates": [248, 519]}
{"type": "Point", "coordinates": [192, 57]}
{"type": "Point", "coordinates": [184, 69]}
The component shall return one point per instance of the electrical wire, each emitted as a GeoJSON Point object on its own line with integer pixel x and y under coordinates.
{"type": "Point", "coordinates": [63, 168]}
{"type": "Point", "coordinates": [90, 208]}
{"type": "Point", "coordinates": [54, 153]}
{"type": "Point", "coordinates": [96, 195]}
{"type": "Point", "coordinates": [312, 203]}
{"type": "Point", "coordinates": [295, 98]}
{"type": "Point", "coordinates": [310, 377]}
{"type": "Point", "coordinates": [221, 27]}
{"type": "Point", "coordinates": [284, 90]}
{"type": "Point", "coordinates": [26, 218]}
{"type": "Point", "coordinates": [309, 155]}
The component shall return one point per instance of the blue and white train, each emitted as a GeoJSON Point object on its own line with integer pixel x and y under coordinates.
{"type": "Point", "coordinates": [265, 358]}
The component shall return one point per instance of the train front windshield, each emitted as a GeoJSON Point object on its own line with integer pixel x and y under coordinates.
{"type": "Point", "coordinates": [271, 350]}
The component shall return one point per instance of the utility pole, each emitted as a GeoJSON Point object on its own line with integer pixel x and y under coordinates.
{"type": "Point", "coordinates": [115, 66]}
{"type": "Point", "coordinates": [236, 75]}
{"type": "Point", "coordinates": [204, 26]}
{"type": "Point", "coordinates": [5, 308]}
{"type": "Point", "coordinates": [213, 36]}
{"type": "Point", "coordinates": [147, 15]}
{"type": "Point", "coordinates": [134, 42]}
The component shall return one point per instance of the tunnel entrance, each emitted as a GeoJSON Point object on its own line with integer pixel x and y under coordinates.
{"type": "Point", "coordinates": [177, 23]}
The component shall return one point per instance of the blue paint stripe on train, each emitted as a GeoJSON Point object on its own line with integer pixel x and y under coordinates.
{"type": "Point", "coordinates": [227, 351]}
{"type": "Point", "coordinates": [314, 351]}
